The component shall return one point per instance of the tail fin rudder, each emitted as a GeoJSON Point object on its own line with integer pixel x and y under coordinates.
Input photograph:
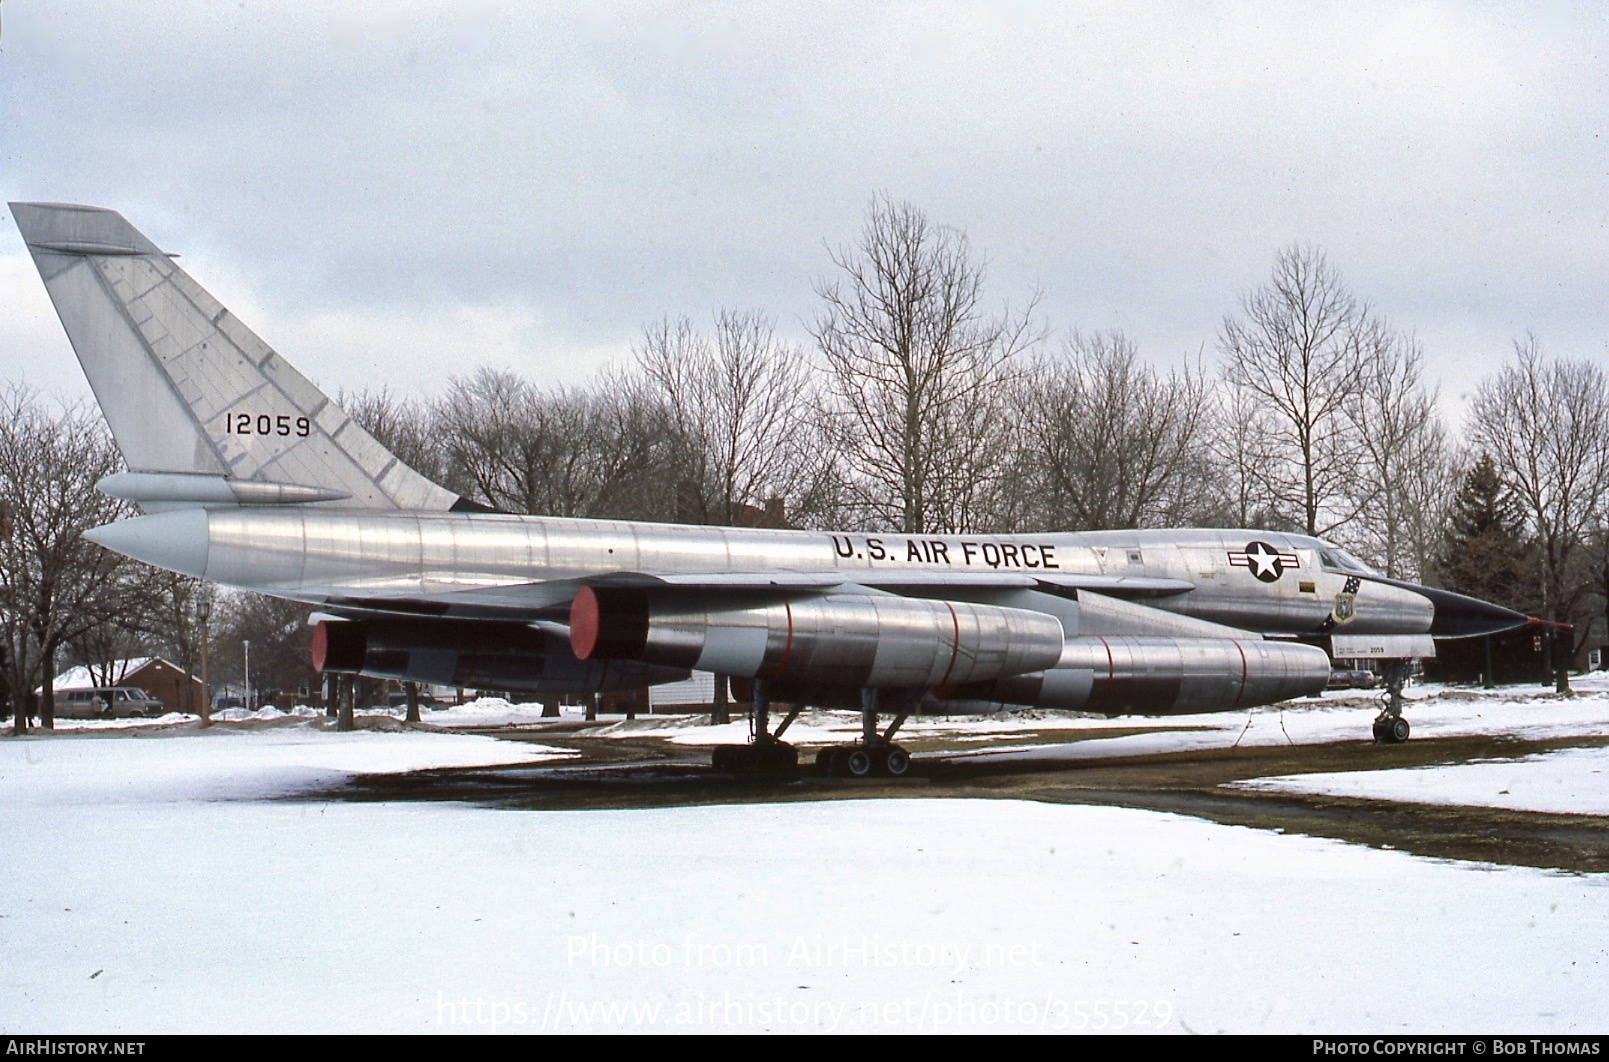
{"type": "Point", "coordinates": [199, 404]}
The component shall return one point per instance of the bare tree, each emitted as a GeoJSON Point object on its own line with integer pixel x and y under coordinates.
{"type": "Point", "coordinates": [1402, 479]}
{"type": "Point", "coordinates": [278, 632]}
{"type": "Point", "coordinates": [745, 411]}
{"type": "Point", "coordinates": [1298, 349]}
{"type": "Point", "coordinates": [916, 369]}
{"type": "Point", "coordinates": [1545, 422]}
{"type": "Point", "coordinates": [106, 650]}
{"type": "Point", "coordinates": [403, 426]}
{"type": "Point", "coordinates": [54, 583]}
{"type": "Point", "coordinates": [599, 452]}
{"type": "Point", "coordinates": [1238, 452]}
{"type": "Point", "coordinates": [178, 624]}
{"type": "Point", "coordinates": [1598, 565]}
{"type": "Point", "coordinates": [1116, 444]}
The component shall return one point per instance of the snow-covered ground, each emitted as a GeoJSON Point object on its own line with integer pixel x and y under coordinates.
{"type": "Point", "coordinates": [1573, 781]}
{"type": "Point", "coordinates": [152, 879]}
{"type": "Point", "coordinates": [228, 764]}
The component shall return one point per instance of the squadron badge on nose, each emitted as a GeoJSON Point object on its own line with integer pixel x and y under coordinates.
{"type": "Point", "coordinates": [1346, 602]}
{"type": "Point", "coordinates": [1265, 562]}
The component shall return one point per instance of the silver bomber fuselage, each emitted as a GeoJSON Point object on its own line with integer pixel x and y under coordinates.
{"type": "Point", "coordinates": [489, 563]}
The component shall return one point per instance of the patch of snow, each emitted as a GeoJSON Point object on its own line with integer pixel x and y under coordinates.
{"type": "Point", "coordinates": [1568, 781]}
{"type": "Point", "coordinates": [226, 764]}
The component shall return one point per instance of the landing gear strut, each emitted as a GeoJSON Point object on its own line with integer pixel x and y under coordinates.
{"type": "Point", "coordinates": [1390, 728]}
{"type": "Point", "coordinates": [767, 754]}
{"type": "Point", "coordinates": [876, 753]}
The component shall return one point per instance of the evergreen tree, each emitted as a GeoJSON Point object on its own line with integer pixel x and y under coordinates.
{"type": "Point", "coordinates": [1486, 552]}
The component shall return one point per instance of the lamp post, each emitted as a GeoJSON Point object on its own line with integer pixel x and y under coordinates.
{"type": "Point", "coordinates": [248, 674]}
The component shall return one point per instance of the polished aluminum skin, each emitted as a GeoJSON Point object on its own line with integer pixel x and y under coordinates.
{"type": "Point", "coordinates": [188, 388]}
{"type": "Point", "coordinates": [854, 640]}
{"type": "Point", "coordinates": [482, 564]}
{"type": "Point", "coordinates": [252, 477]}
{"type": "Point", "coordinates": [1164, 676]}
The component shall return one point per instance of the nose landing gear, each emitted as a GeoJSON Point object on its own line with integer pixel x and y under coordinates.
{"type": "Point", "coordinates": [1390, 728]}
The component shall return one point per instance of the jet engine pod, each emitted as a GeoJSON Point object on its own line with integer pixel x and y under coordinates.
{"type": "Point", "coordinates": [841, 640]}
{"type": "Point", "coordinates": [504, 656]}
{"type": "Point", "coordinates": [1163, 676]}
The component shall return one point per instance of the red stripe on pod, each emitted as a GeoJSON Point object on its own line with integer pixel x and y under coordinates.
{"type": "Point", "coordinates": [787, 646]}
{"type": "Point", "coordinates": [955, 644]}
{"type": "Point", "coordinates": [1111, 672]}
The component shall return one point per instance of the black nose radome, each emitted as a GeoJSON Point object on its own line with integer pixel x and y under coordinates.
{"type": "Point", "coordinates": [1458, 616]}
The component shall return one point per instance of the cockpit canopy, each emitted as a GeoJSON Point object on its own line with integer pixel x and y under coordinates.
{"type": "Point", "coordinates": [1339, 560]}
{"type": "Point", "coordinates": [1332, 557]}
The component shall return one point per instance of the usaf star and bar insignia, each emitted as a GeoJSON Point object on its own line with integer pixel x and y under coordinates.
{"type": "Point", "coordinates": [1265, 562]}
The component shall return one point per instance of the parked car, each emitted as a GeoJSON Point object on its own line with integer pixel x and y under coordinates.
{"type": "Point", "coordinates": [107, 702]}
{"type": "Point", "coordinates": [1341, 679]}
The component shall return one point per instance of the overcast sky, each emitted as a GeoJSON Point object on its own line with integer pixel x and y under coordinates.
{"type": "Point", "coordinates": [394, 193]}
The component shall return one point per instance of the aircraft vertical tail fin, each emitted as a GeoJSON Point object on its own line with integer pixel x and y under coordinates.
{"type": "Point", "coordinates": [203, 410]}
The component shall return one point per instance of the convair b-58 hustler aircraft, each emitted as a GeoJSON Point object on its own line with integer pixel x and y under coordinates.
{"type": "Point", "coordinates": [251, 477]}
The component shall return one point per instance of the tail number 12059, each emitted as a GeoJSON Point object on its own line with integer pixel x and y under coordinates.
{"type": "Point", "coordinates": [264, 424]}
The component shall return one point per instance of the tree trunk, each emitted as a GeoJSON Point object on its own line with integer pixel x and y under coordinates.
{"type": "Point", "coordinates": [47, 699]}
{"type": "Point", "coordinates": [720, 711]}
{"type": "Point", "coordinates": [349, 694]}
{"type": "Point", "coordinates": [412, 690]}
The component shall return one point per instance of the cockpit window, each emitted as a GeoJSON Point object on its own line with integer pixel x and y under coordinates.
{"type": "Point", "coordinates": [1339, 560]}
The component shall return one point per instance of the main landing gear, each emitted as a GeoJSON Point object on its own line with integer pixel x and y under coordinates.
{"type": "Point", "coordinates": [854, 761]}
{"type": "Point", "coordinates": [1390, 728]}
{"type": "Point", "coordinates": [767, 753]}
{"type": "Point", "coordinates": [876, 754]}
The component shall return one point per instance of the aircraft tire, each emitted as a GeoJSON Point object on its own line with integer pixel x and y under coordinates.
{"type": "Point", "coordinates": [778, 756]}
{"type": "Point", "coordinates": [1391, 731]}
{"type": "Point", "coordinates": [856, 762]}
{"type": "Point", "coordinates": [893, 761]}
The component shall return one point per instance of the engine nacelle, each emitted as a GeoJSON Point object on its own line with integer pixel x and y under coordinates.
{"type": "Point", "coordinates": [481, 655]}
{"type": "Point", "coordinates": [1160, 676]}
{"type": "Point", "coordinates": [841, 640]}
